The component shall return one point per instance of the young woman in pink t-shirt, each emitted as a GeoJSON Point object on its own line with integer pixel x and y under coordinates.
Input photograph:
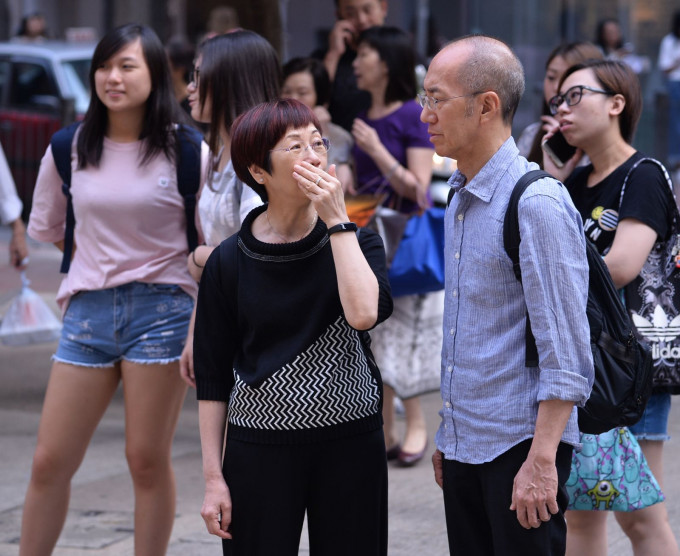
{"type": "Point", "coordinates": [127, 297]}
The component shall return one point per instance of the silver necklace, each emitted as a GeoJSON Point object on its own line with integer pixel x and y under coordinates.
{"type": "Point", "coordinates": [284, 238]}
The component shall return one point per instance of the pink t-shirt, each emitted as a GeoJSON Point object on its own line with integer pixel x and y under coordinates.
{"type": "Point", "coordinates": [130, 222]}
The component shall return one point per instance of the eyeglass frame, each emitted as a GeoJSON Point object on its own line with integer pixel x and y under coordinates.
{"type": "Point", "coordinates": [195, 74]}
{"type": "Point", "coordinates": [431, 102]}
{"type": "Point", "coordinates": [554, 105]}
{"type": "Point", "coordinates": [325, 140]}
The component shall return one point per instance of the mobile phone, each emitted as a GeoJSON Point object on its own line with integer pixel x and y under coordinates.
{"type": "Point", "coordinates": [558, 149]}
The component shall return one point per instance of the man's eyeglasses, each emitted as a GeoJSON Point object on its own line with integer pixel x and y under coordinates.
{"type": "Point", "coordinates": [431, 102]}
{"type": "Point", "coordinates": [573, 96]}
{"type": "Point", "coordinates": [195, 73]}
{"type": "Point", "coordinates": [319, 146]}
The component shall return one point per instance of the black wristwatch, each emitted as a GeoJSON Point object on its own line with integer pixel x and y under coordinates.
{"type": "Point", "coordinates": [342, 227]}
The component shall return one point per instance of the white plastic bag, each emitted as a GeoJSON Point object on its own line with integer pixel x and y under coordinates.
{"type": "Point", "coordinates": [28, 320]}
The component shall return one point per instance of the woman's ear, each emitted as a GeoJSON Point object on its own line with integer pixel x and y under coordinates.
{"type": "Point", "coordinates": [618, 104]}
{"type": "Point", "coordinates": [258, 173]}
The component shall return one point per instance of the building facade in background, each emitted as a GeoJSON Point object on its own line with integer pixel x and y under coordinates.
{"type": "Point", "coordinates": [297, 27]}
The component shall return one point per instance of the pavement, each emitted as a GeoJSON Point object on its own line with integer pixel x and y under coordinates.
{"type": "Point", "coordinates": [100, 518]}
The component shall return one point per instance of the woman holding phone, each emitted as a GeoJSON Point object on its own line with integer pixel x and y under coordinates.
{"type": "Point", "coordinates": [597, 110]}
{"type": "Point", "coordinates": [559, 60]}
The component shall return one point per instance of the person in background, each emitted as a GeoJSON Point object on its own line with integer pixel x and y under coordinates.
{"type": "Point", "coordinates": [354, 16]}
{"type": "Point", "coordinates": [233, 73]}
{"type": "Point", "coordinates": [10, 215]}
{"type": "Point", "coordinates": [597, 109]}
{"type": "Point", "coordinates": [281, 352]}
{"type": "Point", "coordinates": [127, 297]}
{"type": "Point", "coordinates": [561, 58]}
{"type": "Point", "coordinates": [609, 38]}
{"type": "Point", "coordinates": [306, 80]}
{"type": "Point", "coordinates": [669, 64]}
{"type": "Point", "coordinates": [393, 157]}
{"type": "Point", "coordinates": [507, 431]}
{"type": "Point", "coordinates": [33, 28]}
{"type": "Point", "coordinates": [181, 57]}
{"type": "Point", "coordinates": [222, 19]}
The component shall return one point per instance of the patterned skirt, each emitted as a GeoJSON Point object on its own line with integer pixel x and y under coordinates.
{"type": "Point", "coordinates": [408, 345]}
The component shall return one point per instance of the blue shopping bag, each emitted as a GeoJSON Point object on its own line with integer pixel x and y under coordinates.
{"type": "Point", "coordinates": [418, 264]}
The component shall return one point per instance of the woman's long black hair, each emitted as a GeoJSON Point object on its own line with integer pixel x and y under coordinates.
{"type": "Point", "coordinates": [162, 110]}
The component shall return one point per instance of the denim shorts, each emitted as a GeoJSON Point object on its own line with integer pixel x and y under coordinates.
{"type": "Point", "coordinates": [654, 422]}
{"type": "Point", "coordinates": [136, 322]}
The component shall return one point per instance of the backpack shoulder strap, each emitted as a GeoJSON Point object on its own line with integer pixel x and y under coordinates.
{"type": "Point", "coordinates": [189, 176]}
{"type": "Point", "coordinates": [511, 238]}
{"type": "Point", "coordinates": [61, 144]}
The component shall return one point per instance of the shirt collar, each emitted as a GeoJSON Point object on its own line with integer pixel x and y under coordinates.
{"type": "Point", "coordinates": [484, 184]}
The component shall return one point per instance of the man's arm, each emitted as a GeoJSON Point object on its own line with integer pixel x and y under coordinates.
{"type": "Point", "coordinates": [534, 493]}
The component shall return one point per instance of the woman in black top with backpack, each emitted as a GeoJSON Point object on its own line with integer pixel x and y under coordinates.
{"type": "Point", "coordinates": [598, 108]}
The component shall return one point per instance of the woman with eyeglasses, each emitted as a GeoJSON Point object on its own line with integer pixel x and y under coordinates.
{"type": "Point", "coordinates": [393, 158]}
{"type": "Point", "coordinates": [559, 60]}
{"type": "Point", "coordinates": [232, 73]}
{"type": "Point", "coordinates": [597, 109]}
{"type": "Point", "coordinates": [281, 353]}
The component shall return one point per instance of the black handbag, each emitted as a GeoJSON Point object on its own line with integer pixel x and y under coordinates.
{"type": "Point", "coordinates": [653, 300]}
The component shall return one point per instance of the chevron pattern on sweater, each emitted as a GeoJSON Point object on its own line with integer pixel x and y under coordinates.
{"type": "Point", "coordinates": [328, 384]}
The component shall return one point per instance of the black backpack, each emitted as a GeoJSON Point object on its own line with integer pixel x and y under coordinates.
{"type": "Point", "coordinates": [623, 367]}
{"type": "Point", "coordinates": [188, 180]}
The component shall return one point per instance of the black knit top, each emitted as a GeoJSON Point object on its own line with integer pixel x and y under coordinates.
{"type": "Point", "coordinates": [272, 341]}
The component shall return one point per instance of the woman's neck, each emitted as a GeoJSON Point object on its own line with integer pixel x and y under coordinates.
{"type": "Point", "coordinates": [125, 127]}
{"type": "Point", "coordinates": [284, 222]}
{"type": "Point", "coordinates": [608, 158]}
{"type": "Point", "coordinates": [379, 108]}
{"type": "Point", "coordinates": [226, 149]}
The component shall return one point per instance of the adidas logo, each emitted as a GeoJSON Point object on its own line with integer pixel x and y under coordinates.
{"type": "Point", "coordinates": [659, 329]}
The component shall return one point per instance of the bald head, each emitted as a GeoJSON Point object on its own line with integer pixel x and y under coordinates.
{"type": "Point", "coordinates": [482, 63]}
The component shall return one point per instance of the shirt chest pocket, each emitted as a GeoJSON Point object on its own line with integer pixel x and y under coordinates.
{"type": "Point", "coordinates": [486, 280]}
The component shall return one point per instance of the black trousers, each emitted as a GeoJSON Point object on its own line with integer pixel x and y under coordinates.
{"type": "Point", "coordinates": [477, 504]}
{"type": "Point", "coordinates": [340, 484]}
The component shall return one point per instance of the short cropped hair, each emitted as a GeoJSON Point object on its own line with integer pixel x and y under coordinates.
{"type": "Point", "coordinates": [493, 66]}
{"type": "Point", "coordinates": [395, 48]}
{"type": "Point", "coordinates": [314, 67]}
{"type": "Point", "coordinates": [255, 133]}
{"type": "Point", "coordinates": [618, 78]}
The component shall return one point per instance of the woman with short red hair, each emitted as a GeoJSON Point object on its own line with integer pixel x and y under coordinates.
{"type": "Point", "coordinates": [281, 343]}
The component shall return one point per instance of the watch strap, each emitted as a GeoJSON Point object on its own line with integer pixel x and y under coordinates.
{"type": "Point", "coordinates": [342, 227]}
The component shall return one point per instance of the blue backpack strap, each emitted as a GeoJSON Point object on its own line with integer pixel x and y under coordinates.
{"type": "Point", "coordinates": [61, 144]}
{"type": "Point", "coordinates": [511, 240]}
{"type": "Point", "coordinates": [189, 176]}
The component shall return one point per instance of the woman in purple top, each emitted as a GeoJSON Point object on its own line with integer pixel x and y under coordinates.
{"type": "Point", "coordinates": [393, 157]}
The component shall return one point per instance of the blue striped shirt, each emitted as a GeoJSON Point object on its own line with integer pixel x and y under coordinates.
{"type": "Point", "coordinates": [490, 398]}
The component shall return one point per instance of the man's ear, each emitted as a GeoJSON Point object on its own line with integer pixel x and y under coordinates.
{"type": "Point", "coordinates": [258, 173]}
{"type": "Point", "coordinates": [491, 104]}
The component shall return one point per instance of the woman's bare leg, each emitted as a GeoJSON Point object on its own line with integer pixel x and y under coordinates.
{"type": "Point", "coordinates": [75, 401]}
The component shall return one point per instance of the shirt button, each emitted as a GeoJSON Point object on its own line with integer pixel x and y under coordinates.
{"type": "Point", "coordinates": [452, 331]}
{"type": "Point", "coordinates": [446, 426]}
{"type": "Point", "coordinates": [454, 293]}
{"type": "Point", "coordinates": [460, 216]}
{"type": "Point", "coordinates": [449, 368]}
{"type": "Point", "coordinates": [448, 404]}
{"type": "Point", "coordinates": [457, 255]}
